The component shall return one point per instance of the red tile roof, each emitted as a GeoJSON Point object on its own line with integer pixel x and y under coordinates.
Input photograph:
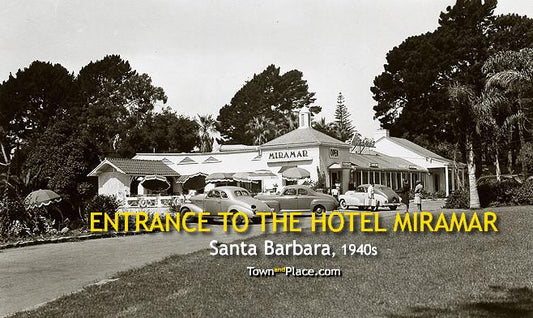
{"type": "Point", "coordinates": [137, 167]}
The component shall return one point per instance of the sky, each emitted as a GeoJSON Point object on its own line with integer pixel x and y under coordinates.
{"type": "Point", "coordinates": [202, 52]}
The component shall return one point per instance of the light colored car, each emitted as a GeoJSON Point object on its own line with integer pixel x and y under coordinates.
{"type": "Point", "coordinates": [385, 197]}
{"type": "Point", "coordinates": [299, 198]}
{"type": "Point", "coordinates": [225, 199]}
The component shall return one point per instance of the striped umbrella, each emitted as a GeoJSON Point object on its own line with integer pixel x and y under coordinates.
{"type": "Point", "coordinates": [295, 173]}
{"type": "Point", "coordinates": [40, 198]}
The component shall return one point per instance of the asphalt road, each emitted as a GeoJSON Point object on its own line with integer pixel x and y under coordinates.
{"type": "Point", "coordinates": [33, 275]}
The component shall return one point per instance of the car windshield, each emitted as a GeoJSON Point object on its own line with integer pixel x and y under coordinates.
{"type": "Point", "coordinates": [241, 193]}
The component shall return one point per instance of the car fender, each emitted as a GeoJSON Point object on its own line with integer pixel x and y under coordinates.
{"type": "Point", "coordinates": [328, 204]}
{"type": "Point", "coordinates": [349, 199]}
{"type": "Point", "coordinates": [240, 208]}
{"type": "Point", "coordinates": [192, 207]}
{"type": "Point", "coordinates": [273, 204]}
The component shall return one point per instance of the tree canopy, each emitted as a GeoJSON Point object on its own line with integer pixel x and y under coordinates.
{"type": "Point", "coordinates": [411, 93]}
{"type": "Point", "coordinates": [269, 94]}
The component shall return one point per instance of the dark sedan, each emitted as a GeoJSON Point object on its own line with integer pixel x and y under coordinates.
{"type": "Point", "coordinates": [299, 198]}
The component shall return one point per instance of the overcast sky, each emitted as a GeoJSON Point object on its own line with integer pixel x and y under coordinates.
{"type": "Point", "coordinates": [202, 52]}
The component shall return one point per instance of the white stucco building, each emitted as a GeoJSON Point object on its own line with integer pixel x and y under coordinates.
{"type": "Point", "coordinates": [443, 174]}
{"type": "Point", "coordinates": [261, 168]}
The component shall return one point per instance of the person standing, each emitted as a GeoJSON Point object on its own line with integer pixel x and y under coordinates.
{"type": "Point", "coordinates": [418, 194]}
{"type": "Point", "coordinates": [405, 191]}
{"type": "Point", "coordinates": [371, 197]}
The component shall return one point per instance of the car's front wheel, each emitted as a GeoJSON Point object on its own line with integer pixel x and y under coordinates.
{"type": "Point", "coordinates": [319, 209]}
{"type": "Point", "coordinates": [239, 219]}
{"type": "Point", "coordinates": [189, 218]}
{"type": "Point", "coordinates": [343, 205]}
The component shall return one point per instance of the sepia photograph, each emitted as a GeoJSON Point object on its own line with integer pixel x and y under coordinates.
{"type": "Point", "coordinates": [297, 158]}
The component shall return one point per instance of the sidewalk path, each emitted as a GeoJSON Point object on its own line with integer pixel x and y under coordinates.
{"type": "Point", "coordinates": [33, 275]}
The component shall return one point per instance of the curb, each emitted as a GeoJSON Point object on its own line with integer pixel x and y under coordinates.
{"type": "Point", "coordinates": [64, 239]}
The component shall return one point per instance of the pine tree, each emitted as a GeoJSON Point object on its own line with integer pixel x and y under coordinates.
{"type": "Point", "coordinates": [343, 123]}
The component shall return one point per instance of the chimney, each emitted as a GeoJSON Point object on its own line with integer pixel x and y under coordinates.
{"type": "Point", "coordinates": [380, 133]}
{"type": "Point", "coordinates": [304, 118]}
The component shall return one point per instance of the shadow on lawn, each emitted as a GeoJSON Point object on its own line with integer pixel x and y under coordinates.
{"type": "Point", "coordinates": [502, 302]}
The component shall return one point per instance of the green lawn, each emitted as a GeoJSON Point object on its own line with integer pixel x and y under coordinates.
{"type": "Point", "coordinates": [414, 275]}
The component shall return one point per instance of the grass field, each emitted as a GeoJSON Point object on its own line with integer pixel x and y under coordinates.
{"type": "Point", "coordinates": [414, 275]}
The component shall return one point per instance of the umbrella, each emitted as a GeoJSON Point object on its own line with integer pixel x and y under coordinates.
{"type": "Point", "coordinates": [41, 198]}
{"type": "Point", "coordinates": [219, 177]}
{"type": "Point", "coordinates": [194, 181]}
{"type": "Point", "coordinates": [295, 173]}
{"type": "Point", "coordinates": [155, 183]}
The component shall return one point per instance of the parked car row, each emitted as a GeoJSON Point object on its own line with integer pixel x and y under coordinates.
{"type": "Point", "coordinates": [289, 199]}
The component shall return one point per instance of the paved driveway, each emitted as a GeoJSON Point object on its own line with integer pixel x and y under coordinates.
{"type": "Point", "coordinates": [33, 275]}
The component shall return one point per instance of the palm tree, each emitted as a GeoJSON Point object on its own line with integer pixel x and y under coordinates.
{"type": "Point", "coordinates": [207, 132]}
{"type": "Point", "coordinates": [496, 122]}
{"type": "Point", "coordinates": [327, 128]}
{"type": "Point", "coordinates": [262, 129]}
{"type": "Point", "coordinates": [467, 108]}
{"type": "Point", "coordinates": [512, 72]}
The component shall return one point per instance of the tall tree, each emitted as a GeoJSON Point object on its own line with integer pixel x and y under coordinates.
{"type": "Point", "coordinates": [31, 99]}
{"type": "Point", "coordinates": [262, 128]}
{"type": "Point", "coordinates": [207, 132]}
{"type": "Point", "coordinates": [270, 94]}
{"type": "Point", "coordinates": [114, 98]}
{"type": "Point", "coordinates": [343, 123]}
{"type": "Point", "coordinates": [467, 104]}
{"type": "Point", "coordinates": [512, 72]}
{"type": "Point", "coordinates": [411, 93]}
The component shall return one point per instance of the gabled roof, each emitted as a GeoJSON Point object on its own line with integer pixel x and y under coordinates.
{"type": "Point", "coordinates": [376, 161]}
{"type": "Point", "coordinates": [304, 136]}
{"type": "Point", "coordinates": [135, 167]}
{"type": "Point", "coordinates": [409, 145]}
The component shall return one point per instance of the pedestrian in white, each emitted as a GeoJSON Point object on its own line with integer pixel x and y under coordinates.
{"type": "Point", "coordinates": [371, 197]}
{"type": "Point", "coordinates": [418, 194]}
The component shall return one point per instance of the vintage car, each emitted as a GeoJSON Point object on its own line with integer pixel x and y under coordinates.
{"type": "Point", "coordinates": [385, 197]}
{"type": "Point", "coordinates": [225, 199]}
{"type": "Point", "coordinates": [299, 198]}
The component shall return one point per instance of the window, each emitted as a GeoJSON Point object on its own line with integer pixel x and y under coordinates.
{"type": "Point", "coordinates": [361, 189]}
{"type": "Point", "coordinates": [223, 195]}
{"type": "Point", "coordinates": [213, 194]}
{"type": "Point", "coordinates": [241, 193]}
{"type": "Point", "coordinates": [290, 191]}
{"type": "Point", "coordinates": [302, 192]}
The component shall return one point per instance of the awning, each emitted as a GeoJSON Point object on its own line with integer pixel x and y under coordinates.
{"type": "Point", "coordinates": [262, 174]}
{"type": "Point", "coordinates": [295, 173]}
{"type": "Point", "coordinates": [219, 177]}
{"type": "Point", "coordinates": [242, 177]}
{"type": "Point", "coordinates": [285, 168]}
{"type": "Point", "coordinates": [155, 183]}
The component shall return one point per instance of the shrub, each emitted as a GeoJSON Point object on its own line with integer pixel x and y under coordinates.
{"type": "Point", "coordinates": [14, 219]}
{"type": "Point", "coordinates": [524, 194]}
{"type": "Point", "coordinates": [102, 203]}
{"type": "Point", "coordinates": [458, 199]}
{"type": "Point", "coordinates": [494, 193]}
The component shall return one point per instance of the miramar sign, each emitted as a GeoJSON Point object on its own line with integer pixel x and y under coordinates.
{"type": "Point", "coordinates": [288, 155]}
